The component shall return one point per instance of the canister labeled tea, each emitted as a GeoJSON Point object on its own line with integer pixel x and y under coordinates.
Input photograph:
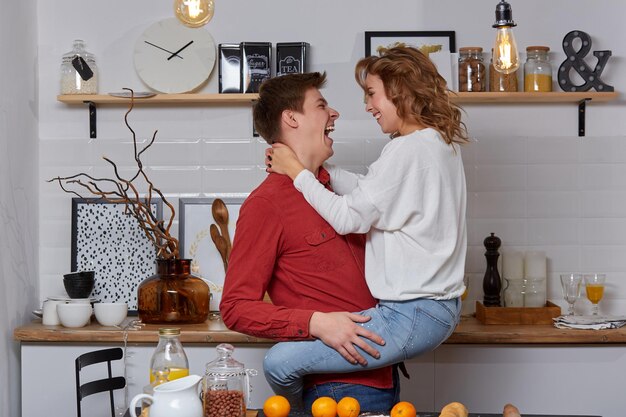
{"type": "Point", "coordinates": [291, 58]}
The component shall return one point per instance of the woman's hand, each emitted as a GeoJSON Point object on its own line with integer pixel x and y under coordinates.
{"type": "Point", "coordinates": [280, 159]}
{"type": "Point", "coordinates": [341, 332]}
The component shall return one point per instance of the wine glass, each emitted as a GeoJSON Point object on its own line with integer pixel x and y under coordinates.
{"type": "Point", "coordinates": [594, 286]}
{"type": "Point", "coordinates": [570, 284]}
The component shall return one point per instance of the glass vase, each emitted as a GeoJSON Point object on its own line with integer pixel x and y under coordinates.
{"type": "Point", "coordinates": [173, 295]}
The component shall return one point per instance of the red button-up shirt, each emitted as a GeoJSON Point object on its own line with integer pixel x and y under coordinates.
{"type": "Point", "coordinates": [284, 247]}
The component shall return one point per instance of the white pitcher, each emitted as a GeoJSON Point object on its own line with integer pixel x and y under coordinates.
{"type": "Point", "coordinates": [175, 398]}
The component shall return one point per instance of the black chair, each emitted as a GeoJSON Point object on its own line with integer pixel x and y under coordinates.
{"type": "Point", "coordinates": [101, 385]}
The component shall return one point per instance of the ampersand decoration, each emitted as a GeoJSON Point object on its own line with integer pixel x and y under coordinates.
{"type": "Point", "coordinates": [575, 61]}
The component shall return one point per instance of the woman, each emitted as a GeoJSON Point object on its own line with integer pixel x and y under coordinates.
{"type": "Point", "coordinates": [412, 206]}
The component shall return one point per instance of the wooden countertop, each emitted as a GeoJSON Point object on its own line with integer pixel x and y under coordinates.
{"type": "Point", "coordinates": [469, 331]}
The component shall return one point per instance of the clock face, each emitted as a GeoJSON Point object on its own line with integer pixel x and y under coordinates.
{"type": "Point", "coordinates": [173, 58]}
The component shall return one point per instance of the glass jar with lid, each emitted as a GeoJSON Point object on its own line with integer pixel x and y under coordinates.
{"type": "Point", "coordinates": [500, 82]}
{"type": "Point", "coordinates": [537, 69]}
{"type": "Point", "coordinates": [472, 69]}
{"type": "Point", "coordinates": [79, 74]}
{"type": "Point", "coordinates": [169, 357]}
{"type": "Point", "coordinates": [226, 385]}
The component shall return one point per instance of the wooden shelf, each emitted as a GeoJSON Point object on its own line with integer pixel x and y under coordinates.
{"type": "Point", "coordinates": [159, 99]}
{"type": "Point", "coordinates": [486, 97]}
{"type": "Point", "coordinates": [521, 97]}
{"type": "Point", "coordinates": [581, 98]}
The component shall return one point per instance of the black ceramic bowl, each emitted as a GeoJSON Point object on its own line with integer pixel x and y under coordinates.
{"type": "Point", "coordinates": [79, 284]}
{"type": "Point", "coordinates": [81, 275]}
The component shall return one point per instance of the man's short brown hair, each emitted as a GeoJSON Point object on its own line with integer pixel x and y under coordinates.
{"type": "Point", "coordinates": [279, 94]}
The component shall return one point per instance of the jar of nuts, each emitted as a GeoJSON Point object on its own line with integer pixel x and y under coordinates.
{"type": "Point", "coordinates": [226, 385]}
{"type": "Point", "coordinates": [472, 69]}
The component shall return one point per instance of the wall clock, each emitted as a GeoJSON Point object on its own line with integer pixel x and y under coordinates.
{"type": "Point", "coordinates": [173, 58]}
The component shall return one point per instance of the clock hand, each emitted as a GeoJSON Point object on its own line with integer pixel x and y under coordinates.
{"type": "Point", "coordinates": [163, 49]}
{"type": "Point", "coordinates": [180, 50]}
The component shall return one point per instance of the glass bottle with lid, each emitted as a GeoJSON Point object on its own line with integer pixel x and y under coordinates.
{"type": "Point", "coordinates": [225, 386]}
{"type": "Point", "coordinates": [79, 74]}
{"type": "Point", "coordinates": [169, 356]}
{"type": "Point", "coordinates": [472, 70]}
{"type": "Point", "coordinates": [537, 69]}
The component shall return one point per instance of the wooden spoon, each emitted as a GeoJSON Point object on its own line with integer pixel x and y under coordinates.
{"type": "Point", "coordinates": [220, 214]}
{"type": "Point", "coordinates": [220, 244]}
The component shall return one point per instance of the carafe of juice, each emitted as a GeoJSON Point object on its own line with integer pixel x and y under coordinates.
{"type": "Point", "coordinates": [169, 358]}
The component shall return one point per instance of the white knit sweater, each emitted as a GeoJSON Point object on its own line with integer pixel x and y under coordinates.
{"type": "Point", "coordinates": [412, 203]}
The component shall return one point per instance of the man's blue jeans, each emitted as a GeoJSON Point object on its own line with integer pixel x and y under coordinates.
{"type": "Point", "coordinates": [409, 328]}
{"type": "Point", "coordinates": [370, 399]}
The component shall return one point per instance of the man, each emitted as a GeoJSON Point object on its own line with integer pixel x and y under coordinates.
{"type": "Point", "coordinates": [313, 275]}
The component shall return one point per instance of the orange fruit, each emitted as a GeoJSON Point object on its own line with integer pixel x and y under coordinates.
{"type": "Point", "coordinates": [276, 406]}
{"type": "Point", "coordinates": [403, 409]}
{"type": "Point", "coordinates": [348, 407]}
{"type": "Point", "coordinates": [324, 407]}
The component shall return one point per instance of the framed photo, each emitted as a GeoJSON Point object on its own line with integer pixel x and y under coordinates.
{"type": "Point", "coordinates": [432, 41]}
{"type": "Point", "coordinates": [195, 219]}
{"type": "Point", "coordinates": [110, 242]}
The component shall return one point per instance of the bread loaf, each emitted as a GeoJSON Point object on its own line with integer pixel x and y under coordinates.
{"type": "Point", "coordinates": [454, 410]}
{"type": "Point", "coordinates": [511, 411]}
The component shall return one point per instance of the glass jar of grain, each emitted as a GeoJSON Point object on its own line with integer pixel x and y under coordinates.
{"type": "Point", "coordinates": [537, 69]}
{"type": "Point", "coordinates": [500, 82]}
{"type": "Point", "coordinates": [472, 70]}
{"type": "Point", "coordinates": [79, 74]}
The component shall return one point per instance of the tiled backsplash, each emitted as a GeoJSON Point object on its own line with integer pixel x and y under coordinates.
{"type": "Point", "coordinates": [562, 195]}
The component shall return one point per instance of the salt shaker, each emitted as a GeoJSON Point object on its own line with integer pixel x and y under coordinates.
{"type": "Point", "coordinates": [79, 74]}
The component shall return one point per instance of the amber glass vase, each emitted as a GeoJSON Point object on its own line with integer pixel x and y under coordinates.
{"type": "Point", "coordinates": [173, 295]}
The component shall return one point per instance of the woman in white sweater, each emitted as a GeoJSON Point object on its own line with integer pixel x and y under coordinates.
{"type": "Point", "coordinates": [411, 204]}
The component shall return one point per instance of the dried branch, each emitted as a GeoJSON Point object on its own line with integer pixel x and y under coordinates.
{"type": "Point", "coordinates": [122, 190]}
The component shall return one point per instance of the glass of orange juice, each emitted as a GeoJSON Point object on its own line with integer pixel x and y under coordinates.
{"type": "Point", "coordinates": [594, 286]}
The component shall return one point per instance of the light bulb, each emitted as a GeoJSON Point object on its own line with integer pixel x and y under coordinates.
{"type": "Point", "coordinates": [194, 13]}
{"type": "Point", "coordinates": [505, 53]}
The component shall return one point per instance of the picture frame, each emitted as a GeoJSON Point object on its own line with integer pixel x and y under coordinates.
{"type": "Point", "coordinates": [195, 219]}
{"type": "Point", "coordinates": [110, 242]}
{"type": "Point", "coordinates": [377, 39]}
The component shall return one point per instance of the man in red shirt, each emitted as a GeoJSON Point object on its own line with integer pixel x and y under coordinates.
{"type": "Point", "coordinates": [313, 276]}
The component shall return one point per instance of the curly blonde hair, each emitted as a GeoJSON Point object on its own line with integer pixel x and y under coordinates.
{"type": "Point", "coordinates": [418, 92]}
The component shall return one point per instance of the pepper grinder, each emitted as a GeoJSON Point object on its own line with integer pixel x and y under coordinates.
{"type": "Point", "coordinates": [491, 282]}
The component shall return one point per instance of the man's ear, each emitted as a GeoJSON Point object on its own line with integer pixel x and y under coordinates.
{"type": "Point", "coordinates": [288, 117]}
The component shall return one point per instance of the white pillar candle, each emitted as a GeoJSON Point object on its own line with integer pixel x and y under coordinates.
{"type": "Point", "coordinates": [513, 264]}
{"type": "Point", "coordinates": [535, 265]}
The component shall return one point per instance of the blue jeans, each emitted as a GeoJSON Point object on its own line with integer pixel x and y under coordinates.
{"type": "Point", "coordinates": [370, 399]}
{"type": "Point", "coordinates": [409, 328]}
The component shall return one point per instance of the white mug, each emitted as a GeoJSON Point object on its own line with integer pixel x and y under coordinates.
{"type": "Point", "coordinates": [50, 315]}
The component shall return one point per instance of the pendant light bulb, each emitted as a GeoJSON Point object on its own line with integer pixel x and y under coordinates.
{"type": "Point", "coordinates": [194, 13]}
{"type": "Point", "coordinates": [505, 52]}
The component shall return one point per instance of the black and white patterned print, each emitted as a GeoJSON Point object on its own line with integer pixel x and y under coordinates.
{"type": "Point", "coordinates": [110, 242]}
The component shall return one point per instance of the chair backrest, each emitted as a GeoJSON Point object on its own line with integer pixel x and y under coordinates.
{"type": "Point", "coordinates": [101, 385]}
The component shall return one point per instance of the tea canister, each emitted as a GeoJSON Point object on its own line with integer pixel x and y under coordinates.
{"type": "Point", "coordinates": [537, 69]}
{"type": "Point", "coordinates": [79, 74]}
{"type": "Point", "coordinates": [472, 69]}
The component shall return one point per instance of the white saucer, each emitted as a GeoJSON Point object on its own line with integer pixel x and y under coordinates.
{"type": "Point", "coordinates": [137, 94]}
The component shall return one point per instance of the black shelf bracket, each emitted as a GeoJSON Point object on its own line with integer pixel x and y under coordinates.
{"type": "Point", "coordinates": [582, 105]}
{"type": "Point", "coordinates": [92, 118]}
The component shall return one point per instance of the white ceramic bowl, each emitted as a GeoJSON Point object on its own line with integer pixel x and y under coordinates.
{"type": "Point", "coordinates": [74, 314]}
{"type": "Point", "coordinates": [110, 314]}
